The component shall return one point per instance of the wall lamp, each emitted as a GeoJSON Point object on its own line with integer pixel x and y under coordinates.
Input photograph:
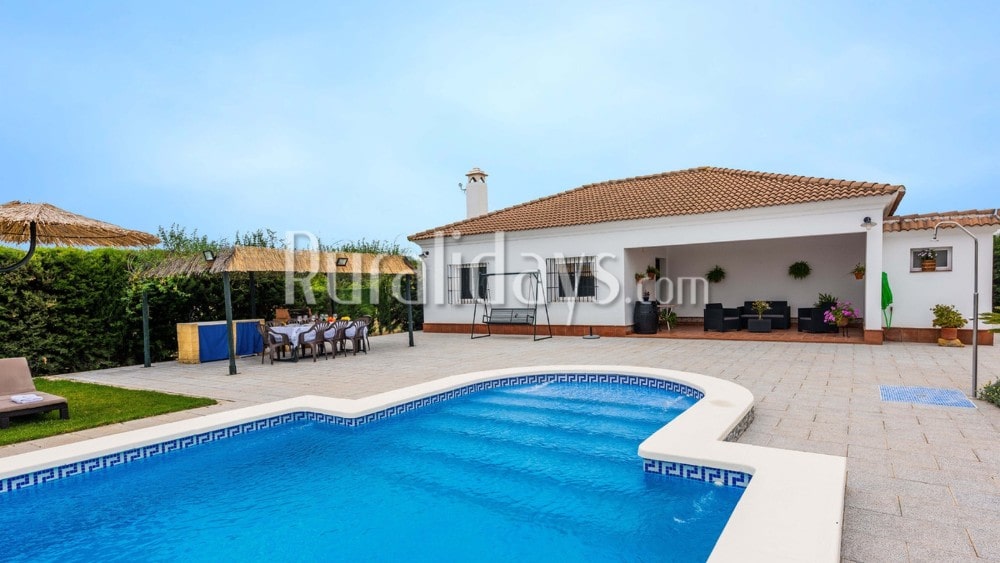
{"type": "Point", "coordinates": [209, 256]}
{"type": "Point", "coordinates": [342, 261]}
{"type": "Point", "coordinates": [868, 223]}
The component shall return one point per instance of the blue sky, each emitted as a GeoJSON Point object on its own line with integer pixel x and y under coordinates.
{"type": "Point", "coordinates": [358, 120]}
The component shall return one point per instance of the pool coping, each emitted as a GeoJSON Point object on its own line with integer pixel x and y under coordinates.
{"type": "Point", "coordinates": [791, 510]}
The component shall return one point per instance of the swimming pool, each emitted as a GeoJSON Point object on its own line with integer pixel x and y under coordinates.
{"type": "Point", "coordinates": [791, 509]}
{"type": "Point", "coordinates": [530, 472]}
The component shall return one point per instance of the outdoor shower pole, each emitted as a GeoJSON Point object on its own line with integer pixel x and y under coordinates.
{"type": "Point", "coordinates": [975, 302]}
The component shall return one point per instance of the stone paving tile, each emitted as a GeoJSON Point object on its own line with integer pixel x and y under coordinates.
{"type": "Point", "coordinates": [860, 547]}
{"type": "Point", "coordinates": [887, 503]}
{"type": "Point", "coordinates": [927, 554]}
{"type": "Point", "coordinates": [922, 480]}
{"type": "Point", "coordinates": [949, 538]}
{"type": "Point", "coordinates": [986, 543]}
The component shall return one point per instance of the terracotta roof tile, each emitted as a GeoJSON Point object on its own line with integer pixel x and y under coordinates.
{"type": "Point", "coordinates": [971, 218]}
{"type": "Point", "coordinates": [683, 192]}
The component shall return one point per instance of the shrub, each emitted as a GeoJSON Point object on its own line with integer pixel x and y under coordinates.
{"type": "Point", "coordinates": [991, 393]}
{"type": "Point", "coordinates": [946, 316]}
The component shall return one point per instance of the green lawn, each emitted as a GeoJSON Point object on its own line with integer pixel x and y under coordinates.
{"type": "Point", "coordinates": [92, 405]}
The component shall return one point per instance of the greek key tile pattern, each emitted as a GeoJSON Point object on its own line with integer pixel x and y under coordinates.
{"type": "Point", "coordinates": [740, 428]}
{"type": "Point", "coordinates": [127, 456]}
{"type": "Point", "coordinates": [698, 473]}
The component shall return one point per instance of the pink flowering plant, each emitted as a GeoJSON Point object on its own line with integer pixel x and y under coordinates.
{"type": "Point", "coordinates": [841, 310]}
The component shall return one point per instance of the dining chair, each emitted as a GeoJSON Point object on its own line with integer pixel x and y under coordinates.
{"type": "Point", "coordinates": [335, 335]}
{"type": "Point", "coordinates": [279, 344]}
{"type": "Point", "coordinates": [311, 339]}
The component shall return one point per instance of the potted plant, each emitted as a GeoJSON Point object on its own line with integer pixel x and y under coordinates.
{"type": "Point", "coordinates": [760, 324]}
{"type": "Point", "coordinates": [840, 314]}
{"type": "Point", "coordinates": [859, 271]}
{"type": "Point", "coordinates": [638, 277]}
{"type": "Point", "coordinates": [825, 301]}
{"type": "Point", "coordinates": [668, 317]}
{"type": "Point", "coordinates": [949, 320]}
{"type": "Point", "coordinates": [759, 307]}
{"type": "Point", "coordinates": [652, 272]}
{"type": "Point", "coordinates": [716, 274]}
{"type": "Point", "coordinates": [799, 270]}
{"type": "Point", "coordinates": [928, 259]}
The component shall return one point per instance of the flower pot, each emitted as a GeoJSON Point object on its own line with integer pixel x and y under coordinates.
{"type": "Point", "coordinates": [949, 333]}
{"type": "Point", "coordinates": [843, 322]}
{"type": "Point", "coordinates": [928, 265]}
{"type": "Point", "coordinates": [859, 276]}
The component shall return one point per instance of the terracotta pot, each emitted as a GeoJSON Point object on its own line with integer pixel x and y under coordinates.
{"type": "Point", "coordinates": [928, 265]}
{"type": "Point", "coordinates": [949, 333]}
{"type": "Point", "coordinates": [843, 322]}
{"type": "Point", "coordinates": [859, 276]}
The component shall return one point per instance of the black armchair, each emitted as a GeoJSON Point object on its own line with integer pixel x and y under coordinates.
{"type": "Point", "coordinates": [721, 319]}
{"type": "Point", "coordinates": [811, 320]}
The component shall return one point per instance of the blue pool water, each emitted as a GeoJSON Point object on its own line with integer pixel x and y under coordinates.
{"type": "Point", "coordinates": [534, 472]}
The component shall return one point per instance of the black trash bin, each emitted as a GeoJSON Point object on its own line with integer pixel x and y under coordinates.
{"type": "Point", "coordinates": [646, 318]}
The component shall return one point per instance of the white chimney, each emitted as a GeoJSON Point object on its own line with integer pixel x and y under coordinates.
{"type": "Point", "coordinates": [475, 193]}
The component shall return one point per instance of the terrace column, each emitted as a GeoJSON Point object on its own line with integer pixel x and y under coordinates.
{"type": "Point", "coordinates": [873, 285]}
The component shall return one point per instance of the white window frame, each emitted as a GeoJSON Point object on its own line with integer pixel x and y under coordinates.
{"type": "Point", "coordinates": [944, 258]}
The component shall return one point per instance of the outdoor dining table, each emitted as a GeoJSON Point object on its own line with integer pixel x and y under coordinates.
{"type": "Point", "coordinates": [292, 331]}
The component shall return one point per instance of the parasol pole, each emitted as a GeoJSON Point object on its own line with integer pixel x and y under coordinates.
{"type": "Point", "coordinates": [145, 329]}
{"type": "Point", "coordinates": [230, 336]}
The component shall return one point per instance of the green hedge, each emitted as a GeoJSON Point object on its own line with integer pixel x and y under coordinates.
{"type": "Point", "coordinates": [71, 310]}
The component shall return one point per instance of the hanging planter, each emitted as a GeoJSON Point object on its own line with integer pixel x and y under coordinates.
{"type": "Point", "coordinates": [799, 270]}
{"type": "Point", "coordinates": [859, 271]}
{"type": "Point", "coordinates": [716, 274]}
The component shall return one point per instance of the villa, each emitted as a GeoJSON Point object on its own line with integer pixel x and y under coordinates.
{"type": "Point", "coordinates": [593, 245]}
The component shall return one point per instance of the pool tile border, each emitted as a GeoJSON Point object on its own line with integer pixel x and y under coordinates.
{"type": "Point", "coordinates": [708, 474]}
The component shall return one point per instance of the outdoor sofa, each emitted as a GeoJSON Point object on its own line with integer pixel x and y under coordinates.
{"type": "Point", "coordinates": [15, 381]}
{"type": "Point", "coordinates": [779, 313]}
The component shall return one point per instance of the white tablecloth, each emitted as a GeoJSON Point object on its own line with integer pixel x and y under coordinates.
{"type": "Point", "coordinates": [292, 332]}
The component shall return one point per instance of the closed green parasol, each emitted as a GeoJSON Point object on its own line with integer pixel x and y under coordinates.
{"type": "Point", "coordinates": [886, 301]}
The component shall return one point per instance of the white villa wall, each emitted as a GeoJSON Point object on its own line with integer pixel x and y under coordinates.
{"type": "Point", "coordinates": [759, 270]}
{"type": "Point", "coordinates": [915, 293]}
{"type": "Point", "coordinates": [798, 226]}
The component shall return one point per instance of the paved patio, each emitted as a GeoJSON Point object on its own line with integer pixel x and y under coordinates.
{"type": "Point", "coordinates": [923, 481]}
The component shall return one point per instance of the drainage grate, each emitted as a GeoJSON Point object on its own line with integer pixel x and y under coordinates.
{"type": "Point", "coordinates": [925, 396]}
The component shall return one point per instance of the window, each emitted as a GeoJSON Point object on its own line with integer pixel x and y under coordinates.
{"type": "Point", "coordinates": [571, 279]}
{"type": "Point", "coordinates": [466, 283]}
{"type": "Point", "coordinates": [942, 258]}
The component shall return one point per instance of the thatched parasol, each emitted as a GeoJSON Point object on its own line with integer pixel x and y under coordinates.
{"type": "Point", "coordinates": [43, 223]}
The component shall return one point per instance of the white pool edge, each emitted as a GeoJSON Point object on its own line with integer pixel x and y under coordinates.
{"type": "Point", "coordinates": [792, 509]}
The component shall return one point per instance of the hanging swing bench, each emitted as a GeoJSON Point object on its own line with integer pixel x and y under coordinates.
{"type": "Point", "coordinates": [511, 315]}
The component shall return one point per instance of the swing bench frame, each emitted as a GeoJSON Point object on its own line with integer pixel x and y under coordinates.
{"type": "Point", "coordinates": [512, 315]}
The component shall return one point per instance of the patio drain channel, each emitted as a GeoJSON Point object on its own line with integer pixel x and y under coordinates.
{"type": "Point", "coordinates": [925, 396]}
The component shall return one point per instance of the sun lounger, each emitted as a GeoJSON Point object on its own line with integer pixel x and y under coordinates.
{"type": "Point", "coordinates": [17, 392]}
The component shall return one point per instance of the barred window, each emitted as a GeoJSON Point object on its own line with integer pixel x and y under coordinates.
{"type": "Point", "coordinates": [571, 279]}
{"type": "Point", "coordinates": [466, 283]}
